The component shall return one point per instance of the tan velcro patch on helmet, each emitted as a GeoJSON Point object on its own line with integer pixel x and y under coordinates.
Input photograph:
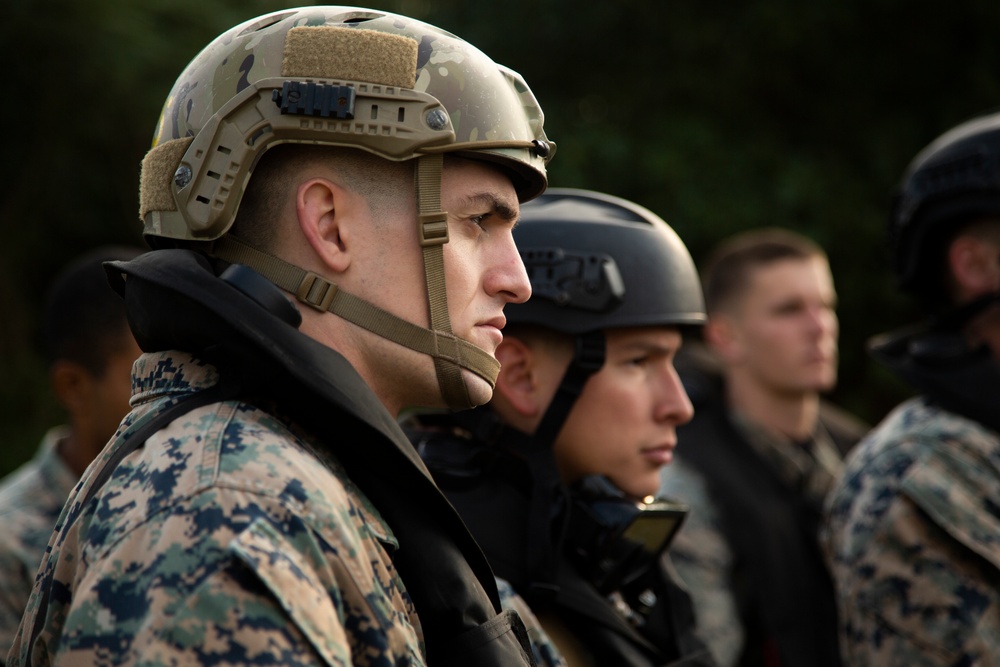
{"type": "Point", "coordinates": [158, 168]}
{"type": "Point", "coordinates": [349, 54]}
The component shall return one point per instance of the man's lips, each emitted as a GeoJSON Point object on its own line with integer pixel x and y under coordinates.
{"type": "Point", "coordinates": [820, 357]}
{"type": "Point", "coordinates": [660, 454]}
{"type": "Point", "coordinates": [492, 328]}
{"type": "Point", "coordinates": [498, 322]}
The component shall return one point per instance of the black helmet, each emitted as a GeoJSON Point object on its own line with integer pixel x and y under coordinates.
{"type": "Point", "coordinates": [599, 262]}
{"type": "Point", "coordinates": [950, 182]}
{"type": "Point", "coordinates": [596, 261]}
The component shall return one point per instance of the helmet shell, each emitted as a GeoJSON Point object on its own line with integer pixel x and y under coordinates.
{"type": "Point", "coordinates": [952, 181]}
{"type": "Point", "coordinates": [227, 101]}
{"type": "Point", "coordinates": [596, 261]}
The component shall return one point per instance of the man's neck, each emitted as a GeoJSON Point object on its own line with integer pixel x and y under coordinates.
{"type": "Point", "coordinates": [790, 414]}
{"type": "Point", "coordinates": [77, 452]}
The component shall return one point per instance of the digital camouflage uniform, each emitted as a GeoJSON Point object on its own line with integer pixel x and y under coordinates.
{"type": "Point", "coordinates": [31, 499]}
{"type": "Point", "coordinates": [913, 531]}
{"type": "Point", "coordinates": [225, 540]}
{"type": "Point", "coordinates": [914, 542]}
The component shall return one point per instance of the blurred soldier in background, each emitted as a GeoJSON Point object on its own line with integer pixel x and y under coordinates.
{"type": "Point", "coordinates": [555, 477]}
{"type": "Point", "coordinates": [260, 504]}
{"type": "Point", "coordinates": [763, 450]}
{"type": "Point", "coordinates": [89, 350]}
{"type": "Point", "coordinates": [914, 525]}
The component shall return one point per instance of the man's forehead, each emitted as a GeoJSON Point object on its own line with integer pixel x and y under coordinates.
{"type": "Point", "coordinates": [768, 283]}
{"type": "Point", "coordinates": [644, 336]}
{"type": "Point", "coordinates": [478, 175]}
{"type": "Point", "coordinates": [769, 275]}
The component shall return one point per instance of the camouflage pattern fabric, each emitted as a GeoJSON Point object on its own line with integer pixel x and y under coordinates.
{"type": "Point", "coordinates": [31, 499]}
{"type": "Point", "coordinates": [914, 542]}
{"type": "Point", "coordinates": [544, 649]}
{"type": "Point", "coordinates": [225, 540]}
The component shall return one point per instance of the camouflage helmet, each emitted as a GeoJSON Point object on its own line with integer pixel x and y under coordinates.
{"type": "Point", "coordinates": [952, 181]}
{"type": "Point", "coordinates": [337, 76]}
{"type": "Point", "coordinates": [596, 261]}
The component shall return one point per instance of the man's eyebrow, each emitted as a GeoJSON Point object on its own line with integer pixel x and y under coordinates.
{"type": "Point", "coordinates": [492, 201]}
{"type": "Point", "coordinates": [649, 347]}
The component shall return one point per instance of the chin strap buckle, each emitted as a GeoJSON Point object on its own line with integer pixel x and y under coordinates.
{"type": "Point", "coordinates": [316, 292]}
{"type": "Point", "coordinates": [433, 229]}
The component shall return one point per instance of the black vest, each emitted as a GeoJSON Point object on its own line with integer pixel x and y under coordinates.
{"type": "Point", "coordinates": [492, 487]}
{"type": "Point", "coordinates": [783, 589]}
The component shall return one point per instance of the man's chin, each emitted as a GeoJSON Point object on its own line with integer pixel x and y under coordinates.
{"type": "Point", "coordinates": [480, 391]}
{"type": "Point", "coordinates": [827, 382]}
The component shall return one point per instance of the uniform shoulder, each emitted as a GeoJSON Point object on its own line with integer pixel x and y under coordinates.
{"type": "Point", "coordinates": [224, 460]}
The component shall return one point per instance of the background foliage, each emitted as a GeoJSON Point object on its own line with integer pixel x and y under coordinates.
{"type": "Point", "coordinates": [720, 116]}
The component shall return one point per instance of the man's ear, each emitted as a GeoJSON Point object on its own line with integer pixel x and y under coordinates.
{"type": "Point", "coordinates": [721, 333]}
{"type": "Point", "coordinates": [325, 211]}
{"type": "Point", "coordinates": [72, 385]}
{"type": "Point", "coordinates": [518, 381]}
{"type": "Point", "coordinates": [974, 266]}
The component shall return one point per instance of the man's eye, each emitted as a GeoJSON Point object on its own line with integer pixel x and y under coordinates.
{"type": "Point", "coordinates": [480, 220]}
{"type": "Point", "coordinates": [789, 309]}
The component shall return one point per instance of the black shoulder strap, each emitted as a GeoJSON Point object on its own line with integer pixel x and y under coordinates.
{"type": "Point", "coordinates": [589, 353]}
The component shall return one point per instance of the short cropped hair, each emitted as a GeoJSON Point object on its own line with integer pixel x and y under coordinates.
{"type": "Point", "coordinates": [84, 319]}
{"type": "Point", "coordinates": [727, 270]}
{"type": "Point", "coordinates": [381, 182]}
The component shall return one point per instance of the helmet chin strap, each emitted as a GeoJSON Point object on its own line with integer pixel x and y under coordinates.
{"type": "Point", "coordinates": [589, 353]}
{"type": "Point", "coordinates": [451, 354]}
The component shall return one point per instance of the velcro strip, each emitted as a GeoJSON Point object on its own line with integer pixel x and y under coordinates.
{"type": "Point", "coordinates": [158, 168]}
{"type": "Point", "coordinates": [349, 54]}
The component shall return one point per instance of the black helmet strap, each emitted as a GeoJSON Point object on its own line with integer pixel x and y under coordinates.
{"type": "Point", "coordinates": [588, 357]}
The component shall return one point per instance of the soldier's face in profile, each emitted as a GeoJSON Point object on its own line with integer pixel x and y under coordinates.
{"type": "Point", "coordinates": [483, 272]}
{"type": "Point", "coordinates": [623, 426]}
